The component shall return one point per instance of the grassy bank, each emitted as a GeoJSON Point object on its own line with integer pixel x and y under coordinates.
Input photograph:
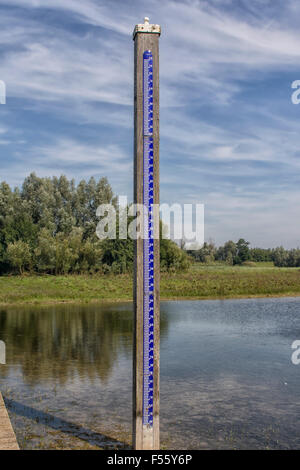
{"type": "Point", "coordinates": [200, 282]}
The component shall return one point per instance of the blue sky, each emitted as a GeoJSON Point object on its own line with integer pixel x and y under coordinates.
{"type": "Point", "coordinates": [230, 135]}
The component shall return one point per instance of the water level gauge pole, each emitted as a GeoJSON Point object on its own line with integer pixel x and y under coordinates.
{"type": "Point", "coordinates": [146, 266]}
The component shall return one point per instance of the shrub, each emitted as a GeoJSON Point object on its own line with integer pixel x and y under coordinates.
{"type": "Point", "coordinates": [250, 264]}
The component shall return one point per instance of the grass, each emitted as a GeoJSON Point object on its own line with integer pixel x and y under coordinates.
{"type": "Point", "coordinates": [200, 282]}
{"type": "Point", "coordinates": [220, 281]}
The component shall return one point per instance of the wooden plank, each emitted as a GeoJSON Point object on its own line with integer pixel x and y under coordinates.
{"type": "Point", "coordinates": [8, 439]}
{"type": "Point", "coordinates": [145, 439]}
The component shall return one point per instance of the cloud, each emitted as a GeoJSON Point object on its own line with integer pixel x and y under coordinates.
{"type": "Point", "coordinates": [52, 63]}
{"type": "Point", "coordinates": [91, 12]}
{"type": "Point", "coordinates": [74, 159]}
{"type": "Point", "coordinates": [69, 75]}
{"type": "Point", "coordinates": [75, 153]}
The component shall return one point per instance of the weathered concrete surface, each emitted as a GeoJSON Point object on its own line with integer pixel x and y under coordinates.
{"type": "Point", "coordinates": [8, 439]}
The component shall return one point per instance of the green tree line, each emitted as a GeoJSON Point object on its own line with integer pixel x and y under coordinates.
{"type": "Point", "coordinates": [49, 226]}
{"type": "Point", "coordinates": [237, 253]}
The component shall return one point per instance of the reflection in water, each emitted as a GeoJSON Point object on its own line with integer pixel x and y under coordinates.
{"type": "Point", "coordinates": [59, 342]}
{"type": "Point", "coordinates": [227, 380]}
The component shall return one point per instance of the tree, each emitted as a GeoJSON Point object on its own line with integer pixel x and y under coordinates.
{"type": "Point", "coordinates": [293, 259]}
{"type": "Point", "coordinates": [229, 259]}
{"type": "Point", "coordinates": [261, 254]}
{"type": "Point", "coordinates": [243, 252]}
{"type": "Point", "coordinates": [117, 255]}
{"type": "Point", "coordinates": [280, 256]}
{"type": "Point", "coordinates": [227, 252]}
{"type": "Point", "coordinates": [18, 255]}
{"type": "Point", "coordinates": [45, 252]}
{"type": "Point", "coordinates": [87, 198]}
{"type": "Point", "coordinates": [89, 257]}
{"type": "Point", "coordinates": [172, 258]}
{"type": "Point", "coordinates": [206, 254]}
{"type": "Point", "coordinates": [67, 251]}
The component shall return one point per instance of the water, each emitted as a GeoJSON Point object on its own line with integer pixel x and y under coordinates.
{"type": "Point", "coordinates": [227, 379]}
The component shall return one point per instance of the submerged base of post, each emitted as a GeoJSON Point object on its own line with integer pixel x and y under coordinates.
{"type": "Point", "coordinates": [145, 438]}
{"type": "Point", "coordinates": [148, 438]}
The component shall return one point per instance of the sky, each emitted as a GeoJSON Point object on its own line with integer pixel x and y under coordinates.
{"type": "Point", "coordinates": [230, 134]}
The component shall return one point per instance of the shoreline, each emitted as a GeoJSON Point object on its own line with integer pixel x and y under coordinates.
{"type": "Point", "coordinates": [199, 283]}
{"type": "Point", "coordinates": [49, 302]}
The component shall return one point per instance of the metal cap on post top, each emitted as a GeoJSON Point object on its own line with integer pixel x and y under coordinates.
{"type": "Point", "coordinates": [146, 28]}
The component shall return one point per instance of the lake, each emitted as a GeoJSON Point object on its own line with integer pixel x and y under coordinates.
{"type": "Point", "coordinates": [227, 379]}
